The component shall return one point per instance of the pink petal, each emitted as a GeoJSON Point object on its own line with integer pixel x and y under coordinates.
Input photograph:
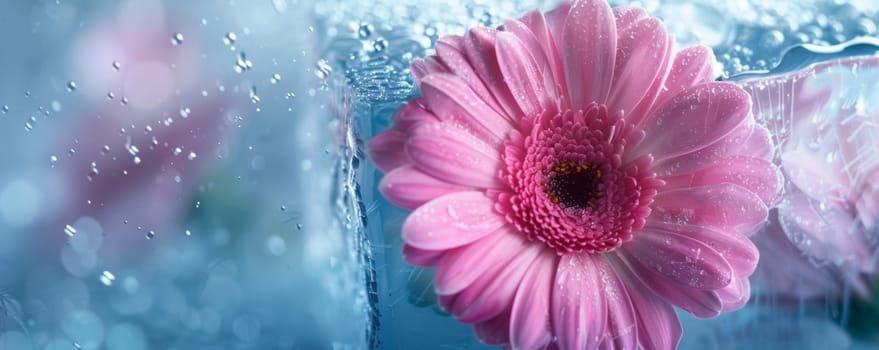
{"type": "Point", "coordinates": [451, 221]}
{"type": "Point", "coordinates": [692, 66]}
{"type": "Point", "coordinates": [648, 104]}
{"type": "Point", "coordinates": [700, 303]}
{"type": "Point", "coordinates": [543, 34]}
{"type": "Point", "coordinates": [693, 119]}
{"type": "Point", "coordinates": [495, 331]}
{"type": "Point", "coordinates": [446, 151]}
{"type": "Point", "coordinates": [788, 272]}
{"type": "Point", "coordinates": [825, 232]}
{"type": "Point", "coordinates": [738, 250]}
{"type": "Point", "coordinates": [409, 187]}
{"type": "Point", "coordinates": [579, 310]}
{"type": "Point", "coordinates": [450, 99]}
{"type": "Point", "coordinates": [423, 67]}
{"type": "Point", "coordinates": [479, 43]}
{"type": "Point", "coordinates": [624, 16]}
{"type": "Point", "coordinates": [681, 259]}
{"type": "Point", "coordinates": [588, 46]}
{"type": "Point", "coordinates": [736, 294]}
{"type": "Point", "coordinates": [387, 150]}
{"type": "Point", "coordinates": [421, 257]}
{"type": "Point", "coordinates": [452, 51]}
{"type": "Point", "coordinates": [523, 76]}
{"type": "Point", "coordinates": [530, 326]}
{"type": "Point", "coordinates": [492, 293]}
{"type": "Point", "coordinates": [412, 114]}
{"type": "Point", "coordinates": [639, 63]}
{"type": "Point", "coordinates": [758, 144]}
{"type": "Point", "coordinates": [658, 325]}
{"type": "Point", "coordinates": [732, 208]}
{"type": "Point", "coordinates": [746, 139]}
{"type": "Point", "coordinates": [621, 319]}
{"type": "Point", "coordinates": [757, 175]}
{"type": "Point", "coordinates": [461, 266]}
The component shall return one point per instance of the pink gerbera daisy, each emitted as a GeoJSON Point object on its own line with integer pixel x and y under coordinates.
{"type": "Point", "coordinates": [572, 179]}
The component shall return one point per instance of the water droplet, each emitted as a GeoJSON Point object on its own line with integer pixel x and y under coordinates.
{"type": "Point", "coordinates": [5, 109]}
{"type": "Point", "coordinates": [105, 149]}
{"type": "Point", "coordinates": [191, 156]}
{"type": "Point", "coordinates": [124, 101]}
{"type": "Point", "coordinates": [283, 208]}
{"type": "Point", "coordinates": [177, 178]}
{"type": "Point", "coordinates": [52, 160]}
{"type": "Point", "coordinates": [177, 39]}
{"type": "Point", "coordinates": [230, 38]}
{"type": "Point", "coordinates": [136, 160]}
{"type": "Point", "coordinates": [280, 5]}
{"type": "Point", "coordinates": [28, 126]}
{"type": "Point", "coordinates": [177, 151]}
{"type": "Point", "coordinates": [310, 29]}
{"type": "Point", "coordinates": [116, 65]}
{"type": "Point", "coordinates": [110, 95]}
{"type": "Point", "coordinates": [188, 233]}
{"type": "Point", "coordinates": [184, 112]}
{"type": "Point", "coordinates": [380, 44]}
{"type": "Point", "coordinates": [298, 226]}
{"type": "Point", "coordinates": [253, 96]}
{"type": "Point", "coordinates": [107, 278]}
{"type": "Point", "coordinates": [71, 86]}
{"type": "Point", "coordinates": [70, 231]}
{"type": "Point", "coordinates": [150, 234]}
{"type": "Point", "coordinates": [323, 69]}
{"type": "Point", "coordinates": [365, 30]}
{"type": "Point", "coordinates": [275, 78]}
{"type": "Point", "coordinates": [773, 38]}
{"type": "Point", "coordinates": [242, 64]}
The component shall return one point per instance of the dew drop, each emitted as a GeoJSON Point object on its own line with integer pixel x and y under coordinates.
{"type": "Point", "coordinates": [365, 30]}
{"type": "Point", "coordinates": [298, 226]}
{"type": "Point", "coordinates": [107, 278]}
{"type": "Point", "coordinates": [184, 112]}
{"type": "Point", "coordinates": [380, 44]}
{"type": "Point", "coordinates": [116, 65]}
{"type": "Point", "coordinates": [188, 233]}
{"type": "Point", "coordinates": [323, 69]}
{"type": "Point", "coordinates": [70, 231]}
{"type": "Point", "coordinates": [275, 78]}
{"type": "Point", "coordinates": [136, 160]}
{"type": "Point", "coordinates": [191, 156]}
{"type": "Point", "coordinates": [5, 109]}
{"type": "Point", "coordinates": [230, 38]}
{"type": "Point", "coordinates": [71, 86]}
{"type": "Point", "coordinates": [280, 6]}
{"type": "Point", "coordinates": [177, 39]}
{"type": "Point", "coordinates": [150, 234]}
{"type": "Point", "coordinates": [52, 160]}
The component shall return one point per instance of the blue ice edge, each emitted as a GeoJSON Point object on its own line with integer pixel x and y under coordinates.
{"type": "Point", "coordinates": [802, 56]}
{"type": "Point", "coordinates": [369, 92]}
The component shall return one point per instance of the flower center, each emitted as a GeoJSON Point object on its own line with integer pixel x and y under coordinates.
{"type": "Point", "coordinates": [570, 186]}
{"type": "Point", "coordinates": [574, 185]}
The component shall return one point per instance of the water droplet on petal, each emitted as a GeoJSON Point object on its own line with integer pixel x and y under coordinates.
{"type": "Point", "coordinates": [177, 39]}
{"type": "Point", "coordinates": [71, 86]}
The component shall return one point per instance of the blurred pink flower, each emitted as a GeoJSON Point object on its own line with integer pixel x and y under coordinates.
{"type": "Point", "coordinates": [572, 179]}
{"type": "Point", "coordinates": [147, 133]}
{"type": "Point", "coordinates": [826, 120]}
